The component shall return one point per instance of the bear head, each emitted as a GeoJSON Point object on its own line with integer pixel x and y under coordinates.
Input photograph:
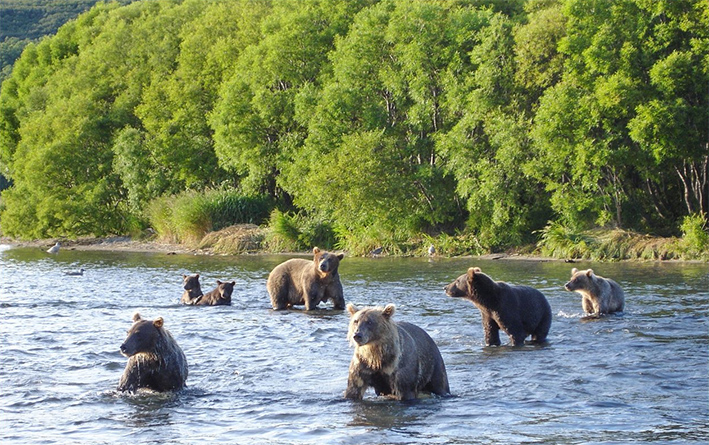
{"type": "Point", "coordinates": [225, 289]}
{"type": "Point", "coordinates": [463, 286]}
{"type": "Point", "coordinates": [370, 325]}
{"type": "Point", "coordinates": [143, 336]}
{"type": "Point", "coordinates": [325, 262]}
{"type": "Point", "coordinates": [580, 279]}
{"type": "Point", "coordinates": [191, 284]}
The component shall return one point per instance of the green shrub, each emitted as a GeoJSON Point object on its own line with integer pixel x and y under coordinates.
{"type": "Point", "coordinates": [695, 239]}
{"type": "Point", "coordinates": [229, 207]}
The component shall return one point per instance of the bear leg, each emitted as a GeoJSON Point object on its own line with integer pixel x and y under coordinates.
{"type": "Point", "coordinates": [491, 330]}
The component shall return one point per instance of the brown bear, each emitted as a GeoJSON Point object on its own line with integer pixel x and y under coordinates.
{"type": "Point", "coordinates": [518, 310]}
{"type": "Point", "coordinates": [299, 281]}
{"type": "Point", "coordinates": [155, 361]}
{"type": "Point", "coordinates": [598, 295]}
{"type": "Point", "coordinates": [219, 296]}
{"type": "Point", "coordinates": [397, 359]}
{"type": "Point", "coordinates": [190, 283]}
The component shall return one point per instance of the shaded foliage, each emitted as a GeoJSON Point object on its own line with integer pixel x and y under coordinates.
{"type": "Point", "coordinates": [366, 123]}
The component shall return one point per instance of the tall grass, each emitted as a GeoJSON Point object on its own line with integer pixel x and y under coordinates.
{"type": "Point", "coordinates": [189, 216]}
{"type": "Point", "coordinates": [295, 232]}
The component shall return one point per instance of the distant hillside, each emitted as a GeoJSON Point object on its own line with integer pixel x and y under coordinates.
{"type": "Point", "coordinates": [23, 21]}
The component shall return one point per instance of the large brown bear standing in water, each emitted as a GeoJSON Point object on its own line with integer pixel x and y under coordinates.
{"type": "Point", "coordinates": [299, 281]}
{"type": "Point", "coordinates": [190, 283]}
{"type": "Point", "coordinates": [395, 358]}
{"type": "Point", "coordinates": [598, 295]}
{"type": "Point", "coordinates": [155, 361]}
{"type": "Point", "coordinates": [518, 310]}
{"type": "Point", "coordinates": [219, 296]}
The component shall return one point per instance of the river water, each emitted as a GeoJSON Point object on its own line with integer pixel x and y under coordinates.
{"type": "Point", "coordinates": [262, 377]}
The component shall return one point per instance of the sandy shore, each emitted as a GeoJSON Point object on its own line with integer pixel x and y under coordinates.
{"type": "Point", "coordinates": [116, 243]}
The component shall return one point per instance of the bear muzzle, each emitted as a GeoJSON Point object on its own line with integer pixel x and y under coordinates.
{"type": "Point", "coordinates": [359, 338]}
{"type": "Point", "coordinates": [569, 286]}
{"type": "Point", "coordinates": [124, 350]}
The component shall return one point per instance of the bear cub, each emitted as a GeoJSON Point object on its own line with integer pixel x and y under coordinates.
{"type": "Point", "coordinates": [190, 283]}
{"type": "Point", "coordinates": [397, 359]}
{"type": "Point", "coordinates": [300, 281]}
{"type": "Point", "coordinates": [221, 295]}
{"type": "Point", "coordinates": [520, 311]}
{"type": "Point", "coordinates": [598, 295]}
{"type": "Point", "coordinates": [155, 361]}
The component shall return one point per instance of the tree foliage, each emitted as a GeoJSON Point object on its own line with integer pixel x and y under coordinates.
{"type": "Point", "coordinates": [384, 119]}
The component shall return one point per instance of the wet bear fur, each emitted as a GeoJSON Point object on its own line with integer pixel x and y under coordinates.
{"type": "Point", "coordinates": [520, 311]}
{"type": "Point", "coordinates": [221, 295]}
{"type": "Point", "coordinates": [155, 361]}
{"type": "Point", "coordinates": [299, 281]}
{"type": "Point", "coordinates": [397, 359]}
{"type": "Point", "coordinates": [190, 283]}
{"type": "Point", "coordinates": [598, 295]}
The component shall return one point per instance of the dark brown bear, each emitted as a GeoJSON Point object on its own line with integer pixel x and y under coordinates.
{"type": "Point", "coordinates": [219, 296]}
{"type": "Point", "coordinates": [190, 283]}
{"type": "Point", "coordinates": [397, 359]}
{"type": "Point", "coordinates": [155, 361]}
{"type": "Point", "coordinates": [299, 281]}
{"type": "Point", "coordinates": [520, 311]}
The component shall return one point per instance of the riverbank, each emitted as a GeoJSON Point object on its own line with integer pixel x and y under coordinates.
{"type": "Point", "coordinates": [152, 245]}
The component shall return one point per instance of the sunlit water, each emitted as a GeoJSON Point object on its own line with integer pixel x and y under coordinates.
{"type": "Point", "coordinates": [259, 376]}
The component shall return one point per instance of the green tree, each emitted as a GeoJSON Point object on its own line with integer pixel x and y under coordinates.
{"type": "Point", "coordinates": [597, 130]}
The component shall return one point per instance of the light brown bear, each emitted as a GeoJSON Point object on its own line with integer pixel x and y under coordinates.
{"type": "Point", "coordinates": [221, 295]}
{"type": "Point", "coordinates": [155, 361]}
{"type": "Point", "coordinates": [299, 281]}
{"type": "Point", "coordinates": [395, 358]}
{"type": "Point", "coordinates": [190, 283]}
{"type": "Point", "coordinates": [598, 295]}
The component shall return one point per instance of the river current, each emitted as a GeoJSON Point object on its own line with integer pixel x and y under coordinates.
{"type": "Point", "coordinates": [262, 377]}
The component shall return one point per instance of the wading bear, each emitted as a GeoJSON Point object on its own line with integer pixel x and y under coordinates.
{"type": "Point", "coordinates": [300, 281]}
{"type": "Point", "coordinates": [155, 361]}
{"type": "Point", "coordinates": [190, 283]}
{"type": "Point", "coordinates": [219, 296]}
{"type": "Point", "coordinates": [598, 295]}
{"type": "Point", "coordinates": [395, 358]}
{"type": "Point", "coordinates": [520, 311]}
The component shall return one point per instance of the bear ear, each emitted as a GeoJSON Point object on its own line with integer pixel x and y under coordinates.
{"type": "Point", "coordinates": [196, 276]}
{"type": "Point", "coordinates": [574, 270]}
{"type": "Point", "coordinates": [341, 256]}
{"type": "Point", "coordinates": [589, 272]}
{"type": "Point", "coordinates": [316, 250]}
{"type": "Point", "coordinates": [184, 276]}
{"type": "Point", "coordinates": [352, 309]}
{"type": "Point", "coordinates": [219, 282]}
{"type": "Point", "coordinates": [158, 322]}
{"type": "Point", "coordinates": [136, 317]}
{"type": "Point", "coordinates": [233, 283]}
{"type": "Point", "coordinates": [388, 310]}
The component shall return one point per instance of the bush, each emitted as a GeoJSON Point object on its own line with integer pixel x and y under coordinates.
{"type": "Point", "coordinates": [695, 239]}
{"type": "Point", "coordinates": [189, 216]}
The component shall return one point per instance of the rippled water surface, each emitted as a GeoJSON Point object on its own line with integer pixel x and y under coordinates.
{"type": "Point", "coordinates": [259, 376]}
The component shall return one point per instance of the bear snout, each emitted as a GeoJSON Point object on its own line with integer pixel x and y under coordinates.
{"type": "Point", "coordinates": [124, 350]}
{"type": "Point", "coordinates": [568, 286]}
{"type": "Point", "coordinates": [358, 338]}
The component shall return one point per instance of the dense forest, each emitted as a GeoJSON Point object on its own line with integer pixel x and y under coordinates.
{"type": "Point", "coordinates": [24, 21]}
{"type": "Point", "coordinates": [359, 123]}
